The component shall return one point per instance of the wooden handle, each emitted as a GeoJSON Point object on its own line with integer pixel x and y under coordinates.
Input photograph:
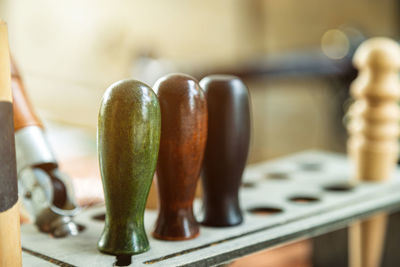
{"type": "Point", "coordinates": [24, 114]}
{"type": "Point", "coordinates": [10, 244]}
{"type": "Point", "coordinates": [183, 136]}
{"type": "Point", "coordinates": [227, 148]}
{"type": "Point", "coordinates": [128, 142]}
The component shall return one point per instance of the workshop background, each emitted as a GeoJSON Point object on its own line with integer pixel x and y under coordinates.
{"type": "Point", "coordinates": [69, 52]}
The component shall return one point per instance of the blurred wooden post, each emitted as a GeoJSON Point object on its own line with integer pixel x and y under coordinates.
{"type": "Point", "coordinates": [10, 244]}
{"type": "Point", "coordinates": [373, 140]}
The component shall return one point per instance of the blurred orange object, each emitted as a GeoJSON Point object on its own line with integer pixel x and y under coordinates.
{"type": "Point", "coordinates": [296, 254]}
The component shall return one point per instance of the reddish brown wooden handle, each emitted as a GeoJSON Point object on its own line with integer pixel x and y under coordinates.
{"type": "Point", "coordinates": [183, 137]}
{"type": "Point", "coordinates": [24, 114]}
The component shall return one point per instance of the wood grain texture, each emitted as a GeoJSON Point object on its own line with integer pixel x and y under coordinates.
{"type": "Point", "coordinates": [24, 114]}
{"type": "Point", "coordinates": [5, 77]}
{"type": "Point", "coordinates": [10, 241]}
{"type": "Point", "coordinates": [226, 150]}
{"type": "Point", "coordinates": [128, 143]}
{"type": "Point", "coordinates": [183, 138]}
{"type": "Point", "coordinates": [373, 137]}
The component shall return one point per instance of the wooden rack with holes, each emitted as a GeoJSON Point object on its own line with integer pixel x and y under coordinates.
{"type": "Point", "coordinates": [304, 195]}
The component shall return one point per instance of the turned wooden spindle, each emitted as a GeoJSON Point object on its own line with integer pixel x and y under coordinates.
{"type": "Point", "coordinates": [128, 143]}
{"type": "Point", "coordinates": [226, 150]}
{"type": "Point", "coordinates": [10, 244]}
{"type": "Point", "coordinates": [373, 137]}
{"type": "Point", "coordinates": [183, 138]}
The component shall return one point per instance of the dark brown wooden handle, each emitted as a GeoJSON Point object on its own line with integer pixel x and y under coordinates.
{"type": "Point", "coordinates": [227, 148]}
{"type": "Point", "coordinates": [24, 114]}
{"type": "Point", "coordinates": [183, 137]}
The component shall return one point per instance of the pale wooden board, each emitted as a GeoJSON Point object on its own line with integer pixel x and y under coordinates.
{"type": "Point", "coordinates": [217, 245]}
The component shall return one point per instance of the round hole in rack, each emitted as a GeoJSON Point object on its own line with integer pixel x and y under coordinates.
{"type": "Point", "coordinates": [99, 217]}
{"type": "Point", "coordinates": [277, 175]}
{"type": "Point", "coordinates": [310, 165]}
{"type": "Point", "coordinates": [248, 185]}
{"type": "Point", "coordinates": [304, 199]}
{"type": "Point", "coordinates": [265, 210]}
{"type": "Point", "coordinates": [339, 187]}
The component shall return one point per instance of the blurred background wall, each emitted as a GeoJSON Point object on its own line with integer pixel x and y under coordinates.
{"type": "Point", "coordinates": [69, 52]}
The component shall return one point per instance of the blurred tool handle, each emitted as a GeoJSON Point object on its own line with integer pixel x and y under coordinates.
{"type": "Point", "coordinates": [10, 242]}
{"type": "Point", "coordinates": [24, 114]}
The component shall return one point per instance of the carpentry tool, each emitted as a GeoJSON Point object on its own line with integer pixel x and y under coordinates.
{"type": "Point", "coordinates": [128, 142]}
{"type": "Point", "coordinates": [373, 142]}
{"type": "Point", "coordinates": [47, 193]}
{"type": "Point", "coordinates": [10, 244]}
{"type": "Point", "coordinates": [227, 148]}
{"type": "Point", "coordinates": [183, 139]}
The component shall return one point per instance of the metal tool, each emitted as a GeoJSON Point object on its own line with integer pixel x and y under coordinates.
{"type": "Point", "coordinates": [47, 194]}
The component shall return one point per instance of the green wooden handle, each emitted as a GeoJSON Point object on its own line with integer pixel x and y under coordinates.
{"type": "Point", "coordinates": [128, 138]}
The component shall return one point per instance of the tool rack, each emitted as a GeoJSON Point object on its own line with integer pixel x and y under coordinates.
{"type": "Point", "coordinates": [300, 196]}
